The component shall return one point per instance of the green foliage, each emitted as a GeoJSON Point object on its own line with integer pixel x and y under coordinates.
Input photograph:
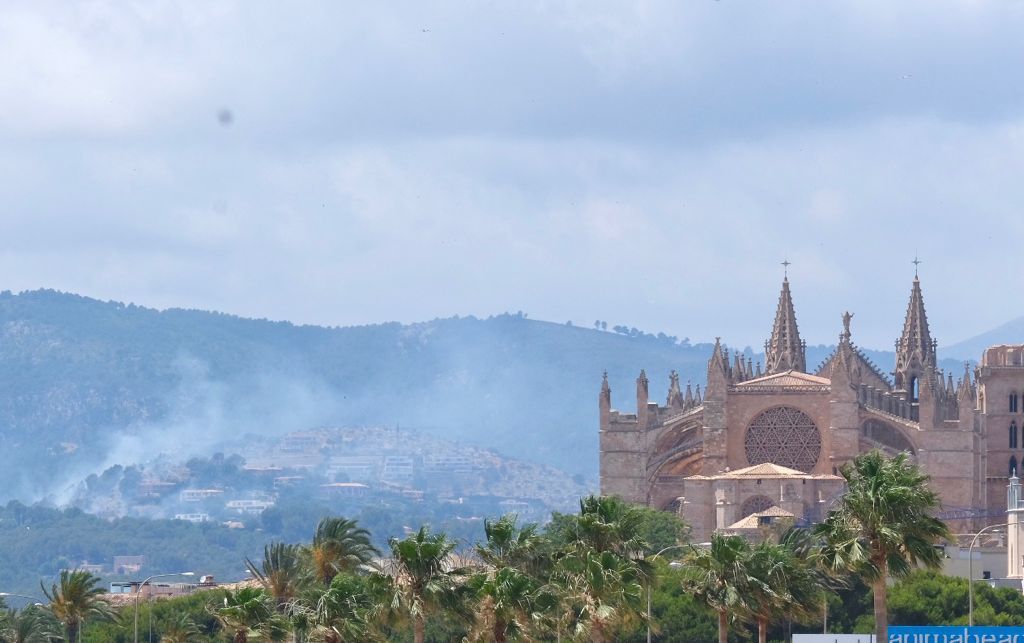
{"type": "Point", "coordinates": [884, 525]}
{"type": "Point", "coordinates": [74, 599]}
{"type": "Point", "coordinates": [339, 545]}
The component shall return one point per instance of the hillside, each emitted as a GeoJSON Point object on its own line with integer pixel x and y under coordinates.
{"type": "Point", "coordinates": [1012, 332]}
{"type": "Point", "coordinates": [85, 384]}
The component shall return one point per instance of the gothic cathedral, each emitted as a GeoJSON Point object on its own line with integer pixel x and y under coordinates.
{"type": "Point", "coordinates": [760, 445]}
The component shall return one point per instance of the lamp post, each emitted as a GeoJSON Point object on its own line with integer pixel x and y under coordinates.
{"type": "Point", "coordinates": [139, 591]}
{"type": "Point", "coordinates": [672, 564]}
{"type": "Point", "coordinates": [970, 571]}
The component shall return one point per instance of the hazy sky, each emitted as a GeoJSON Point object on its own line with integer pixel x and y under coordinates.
{"type": "Point", "coordinates": [647, 164]}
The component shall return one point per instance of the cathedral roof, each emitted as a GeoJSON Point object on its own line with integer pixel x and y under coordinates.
{"type": "Point", "coordinates": [752, 521]}
{"type": "Point", "coordinates": [787, 379]}
{"type": "Point", "coordinates": [765, 470]}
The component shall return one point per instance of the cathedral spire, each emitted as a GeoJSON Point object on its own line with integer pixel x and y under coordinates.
{"type": "Point", "coordinates": [784, 350]}
{"type": "Point", "coordinates": [675, 396]}
{"type": "Point", "coordinates": [915, 349]}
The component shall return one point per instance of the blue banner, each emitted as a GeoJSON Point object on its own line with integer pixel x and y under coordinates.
{"type": "Point", "coordinates": [955, 634]}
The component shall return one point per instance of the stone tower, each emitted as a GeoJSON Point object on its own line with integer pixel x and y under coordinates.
{"type": "Point", "coordinates": [784, 351]}
{"type": "Point", "coordinates": [915, 349]}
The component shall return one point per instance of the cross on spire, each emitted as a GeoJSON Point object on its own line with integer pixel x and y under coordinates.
{"type": "Point", "coordinates": [786, 263]}
{"type": "Point", "coordinates": [916, 263]}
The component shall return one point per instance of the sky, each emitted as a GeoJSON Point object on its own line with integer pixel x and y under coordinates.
{"type": "Point", "coordinates": [649, 164]}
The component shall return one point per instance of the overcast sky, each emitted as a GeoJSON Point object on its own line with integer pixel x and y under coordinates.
{"type": "Point", "coordinates": [648, 164]}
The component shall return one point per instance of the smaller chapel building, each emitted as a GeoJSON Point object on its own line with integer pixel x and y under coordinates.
{"type": "Point", "coordinates": [770, 443]}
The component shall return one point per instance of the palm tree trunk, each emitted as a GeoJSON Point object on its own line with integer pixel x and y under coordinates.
{"type": "Point", "coordinates": [241, 636]}
{"type": "Point", "coordinates": [880, 591]}
{"type": "Point", "coordinates": [418, 627]}
{"type": "Point", "coordinates": [723, 627]}
{"type": "Point", "coordinates": [597, 632]}
{"type": "Point", "coordinates": [72, 631]}
{"type": "Point", "coordinates": [762, 629]}
{"type": "Point", "coordinates": [498, 631]}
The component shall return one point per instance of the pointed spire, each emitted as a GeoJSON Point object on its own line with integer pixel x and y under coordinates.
{"type": "Point", "coordinates": [915, 350]}
{"type": "Point", "coordinates": [785, 351]}
{"type": "Point", "coordinates": [697, 396]}
{"type": "Point", "coordinates": [965, 393]}
{"type": "Point", "coordinates": [606, 393]}
{"type": "Point", "coordinates": [675, 396]}
{"type": "Point", "coordinates": [641, 384]}
{"type": "Point", "coordinates": [689, 395]}
{"type": "Point", "coordinates": [950, 389]}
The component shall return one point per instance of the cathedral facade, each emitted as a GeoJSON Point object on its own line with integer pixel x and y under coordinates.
{"type": "Point", "coordinates": [757, 445]}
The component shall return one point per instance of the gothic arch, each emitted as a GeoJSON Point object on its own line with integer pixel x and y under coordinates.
{"type": "Point", "coordinates": [887, 437]}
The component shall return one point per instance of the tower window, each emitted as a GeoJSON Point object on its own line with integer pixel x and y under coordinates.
{"type": "Point", "coordinates": [1013, 435]}
{"type": "Point", "coordinates": [1013, 402]}
{"type": "Point", "coordinates": [1013, 465]}
{"type": "Point", "coordinates": [913, 389]}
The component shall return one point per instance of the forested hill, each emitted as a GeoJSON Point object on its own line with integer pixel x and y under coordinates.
{"type": "Point", "coordinates": [87, 383]}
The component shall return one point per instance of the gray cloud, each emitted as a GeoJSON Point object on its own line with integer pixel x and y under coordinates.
{"type": "Point", "coordinates": [646, 164]}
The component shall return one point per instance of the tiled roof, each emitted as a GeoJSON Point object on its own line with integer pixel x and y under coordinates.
{"type": "Point", "coordinates": [753, 520]}
{"type": "Point", "coordinates": [787, 379]}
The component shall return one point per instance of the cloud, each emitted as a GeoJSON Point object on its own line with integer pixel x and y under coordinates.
{"type": "Point", "coordinates": [648, 164]}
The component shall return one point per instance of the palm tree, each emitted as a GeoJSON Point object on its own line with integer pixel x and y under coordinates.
{"type": "Point", "coordinates": [509, 603]}
{"type": "Point", "coordinates": [282, 572]}
{"type": "Point", "coordinates": [340, 545]}
{"type": "Point", "coordinates": [720, 576]}
{"type": "Point", "coordinates": [75, 599]}
{"type": "Point", "coordinates": [247, 611]}
{"type": "Point", "coordinates": [602, 588]}
{"type": "Point", "coordinates": [181, 630]}
{"type": "Point", "coordinates": [607, 523]}
{"type": "Point", "coordinates": [30, 625]}
{"type": "Point", "coordinates": [423, 578]}
{"type": "Point", "coordinates": [345, 611]}
{"type": "Point", "coordinates": [508, 545]}
{"type": "Point", "coordinates": [883, 525]}
{"type": "Point", "coordinates": [785, 586]}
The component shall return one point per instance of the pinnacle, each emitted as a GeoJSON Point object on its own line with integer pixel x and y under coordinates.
{"type": "Point", "coordinates": [785, 351]}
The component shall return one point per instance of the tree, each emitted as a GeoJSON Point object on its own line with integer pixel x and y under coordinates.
{"type": "Point", "coordinates": [75, 599]}
{"type": "Point", "coordinates": [508, 545]}
{"type": "Point", "coordinates": [30, 625]}
{"type": "Point", "coordinates": [509, 603]}
{"type": "Point", "coordinates": [883, 525]}
{"type": "Point", "coordinates": [247, 611]}
{"type": "Point", "coordinates": [720, 577]}
{"type": "Point", "coordinates": [282, 572]}
{"type": "Point", "coordinates": [339, 545]}
{"type": "Point", "coordinates": [424, 580]}
{"type": "Point", "coordinates": [602, 588]}
{"type": "Point", "coordinates": [181, 630]}
{"type": "Point", "coordinates": [785, 586]}
{"type": "Point", "coordinates": [345, 612]}
{"type": "Point", "coordinates": [604, 523]}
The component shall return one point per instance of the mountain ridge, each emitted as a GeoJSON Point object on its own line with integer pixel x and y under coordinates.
{"type": "Point", "coordinates": [85, 383]}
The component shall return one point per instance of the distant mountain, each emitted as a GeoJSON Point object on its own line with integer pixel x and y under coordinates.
{"type": "Point", "coordinates": [1012, 332]}
{"type": "Point", "coordinates": [85, 384]}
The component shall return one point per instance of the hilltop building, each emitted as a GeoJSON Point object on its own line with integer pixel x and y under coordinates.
{"type": "Point", "coordinates": [754, 439]}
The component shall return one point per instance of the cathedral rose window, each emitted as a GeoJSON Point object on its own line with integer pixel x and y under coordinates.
{"type": "Point", "coordinates": [784, 436]}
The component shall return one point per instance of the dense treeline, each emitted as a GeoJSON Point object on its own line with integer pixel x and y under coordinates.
{"type": "Point", "coordinates": [594, 575]}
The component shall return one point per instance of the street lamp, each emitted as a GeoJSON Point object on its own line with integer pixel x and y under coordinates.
{"type": "Point", "coordinates": [970, 571]}
{"type": "Point", "coordinates": [139, 591]}
{"type": "Point", "coordinates": [672, 564]}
